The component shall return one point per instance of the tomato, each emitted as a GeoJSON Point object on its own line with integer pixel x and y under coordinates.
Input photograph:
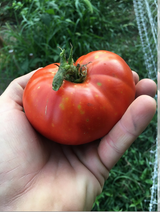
{"type": "Point", "coordinates": [80, 112]}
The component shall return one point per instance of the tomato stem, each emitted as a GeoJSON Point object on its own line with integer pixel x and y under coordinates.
{"type": "Point", "coordinates": [68, 71]}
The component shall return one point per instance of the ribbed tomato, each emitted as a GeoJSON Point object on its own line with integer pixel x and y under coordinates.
{"type": "Point", "coordinates": [86, 107]}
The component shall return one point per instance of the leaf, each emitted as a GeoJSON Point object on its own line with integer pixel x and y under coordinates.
{"type": "Point", "coordinates": [69, 20]}
{"type": "Point", "coordinates": [89, 5]}
{"type": "Point", "coordinates": [24, 65]}
{"type": "Point", "coordinates": [50, 11]}
{"type": "Point", "coordinates": [108, 194]}
{"type": "Point", "coordinates": [149, 181]}
{"type": "Point", "coordinates": [53, 5]}
{"type": "Point", "coordinates": [46, 19]}
{"type": "Point", "coordinates": [56, 58]}
{"type": "Point", "coordinates": [132, 205]}
{"type": "Point", "coordinates": [129, 24]}
{"type": "Point", "coordinates": [77, 4]}
{"type": "Point", "coordinates": [144, 174]}
{"type": "Point", "coordinates": [34, 62]}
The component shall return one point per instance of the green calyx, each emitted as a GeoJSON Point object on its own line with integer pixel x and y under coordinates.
{"type": "Point", "coordinates": [68, 71]}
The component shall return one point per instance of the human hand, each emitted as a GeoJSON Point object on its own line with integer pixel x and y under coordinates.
{"type": "Point", "coordinates": [38, 174]}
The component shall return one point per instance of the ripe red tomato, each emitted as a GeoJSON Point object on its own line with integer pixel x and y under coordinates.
{"type": "Point", "coordinates": [80, 112]}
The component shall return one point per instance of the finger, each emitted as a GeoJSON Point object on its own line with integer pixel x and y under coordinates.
{"type": "Point", "coordinates": [146, 87]}
{"type": "Point", "coordinates": [124, 133]}
{"type": "Point", "coordinates": [135, 77]}
{"type": "Point", "coordinates": [15, 89]}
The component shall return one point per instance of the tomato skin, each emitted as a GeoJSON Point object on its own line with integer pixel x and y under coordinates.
{"type": "Point", "coordinates": [79, 113]}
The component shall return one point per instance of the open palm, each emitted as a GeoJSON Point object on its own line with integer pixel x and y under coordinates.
{"type": "Point", "coordinates": [38, 174]}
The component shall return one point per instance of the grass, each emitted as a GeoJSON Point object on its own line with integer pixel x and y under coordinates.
{"type": "Point", "coordinates": [34, 30]}
{"type": "Point", "coordinates": [42, 27]}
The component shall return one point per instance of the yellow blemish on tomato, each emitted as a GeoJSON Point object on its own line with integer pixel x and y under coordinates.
{"type": "Point", "coordinates": [96, 95]}
{"type": "Point", "coordinates": [81, 111]}
{"type": "Point", "coordinates": [96, 57]}
{"type": "Point", "coordinates": [99, 83]}
{"type": "Point", "coordinates": [61, 106]}
{"type": "Point", "coordinates": [52, 125]}
{"type": "Point", "coordinates": [66, 98]}
{"type": "Point", "coordinates": [38, 87]}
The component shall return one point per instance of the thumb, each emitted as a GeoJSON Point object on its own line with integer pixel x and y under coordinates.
{"type": "Point", "coordinates": [12, 96]}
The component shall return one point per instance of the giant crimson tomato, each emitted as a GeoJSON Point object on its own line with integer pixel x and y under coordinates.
{"type": "Point", "coordinates": [80, 112]}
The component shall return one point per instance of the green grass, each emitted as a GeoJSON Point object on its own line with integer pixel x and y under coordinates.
{"type": "Point", "coordinates": [43, 26]}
